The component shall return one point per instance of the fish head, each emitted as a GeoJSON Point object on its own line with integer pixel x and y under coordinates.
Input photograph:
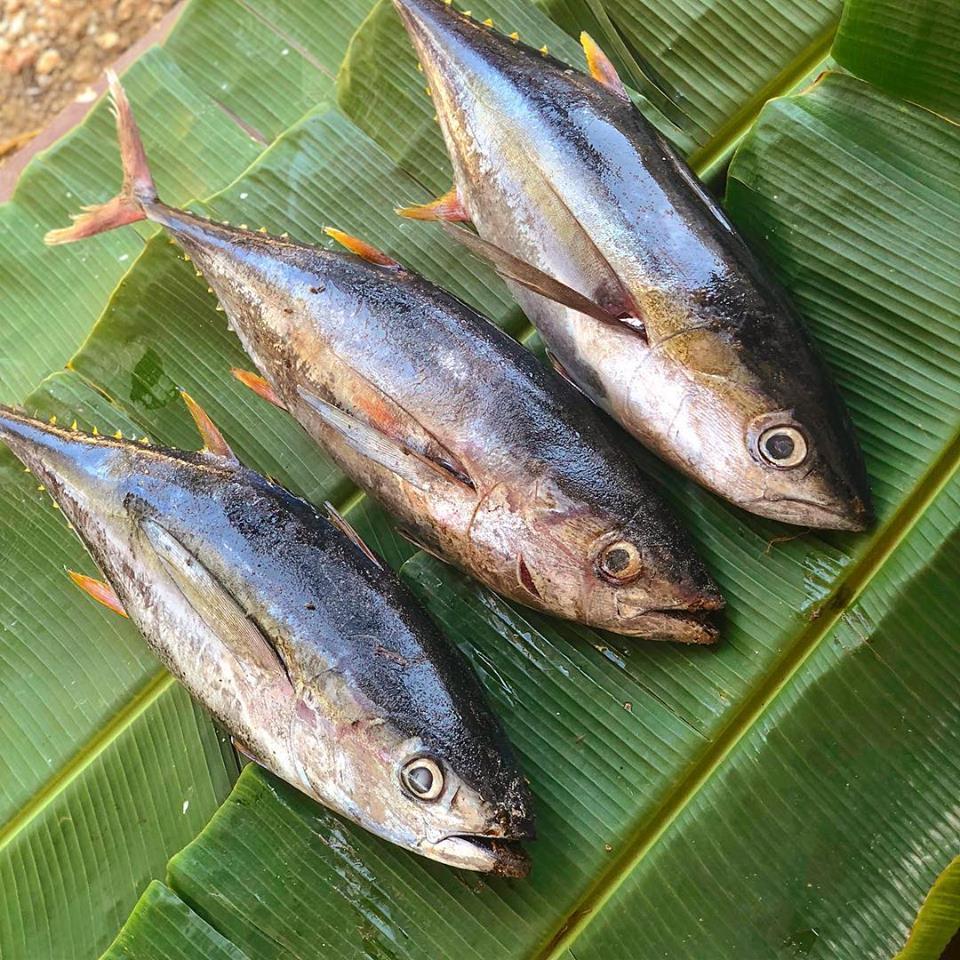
{"type": "Point", "coordinates": [420, 759]}
{"type": "Point", "coordinates": [754, 417]}
{"type": "Point", "coordinates": [607, 552]}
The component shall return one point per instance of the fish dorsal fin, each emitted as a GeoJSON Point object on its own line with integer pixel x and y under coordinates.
{"type": "Point", "coordinates": [416, 468]}
{"type": "Point", "coordinates": [347, 530]}
{"type": "Point", "coordinates": [213, 602]}
{"type": "Point", "coordinates": [213, 441]}
{"type": "Point", "coordinates": [99, 590]}
{"type": "Point", "coordinates": [361, 248]}
{"type": "Point", "coordinates": [513, 268]}
{"type": "Point", "coordinates": [600, 67]}
{"type": "Point", "coordinates": [448, 207]}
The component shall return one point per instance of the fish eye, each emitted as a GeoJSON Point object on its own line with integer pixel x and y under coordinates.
{"type": "Point", "coordinates": [422, 778]}
{"type": "Point", "coordinates": [620, 561]}
{"type": "Point", "coordinates": [782, 446]}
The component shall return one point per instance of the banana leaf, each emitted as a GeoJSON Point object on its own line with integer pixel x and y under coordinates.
{"type": "Point", "coordinates": [691, 746]}
{"type": "Point", "coordinates": [910, 50]}
{"type": "Point", "coordinates": [724, 771]}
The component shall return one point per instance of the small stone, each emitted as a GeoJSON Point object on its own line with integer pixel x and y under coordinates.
{"type": "Point", "coordinates": [108, 40]}
{"type": "Point", "coordinates": [48, 61]}
{"type": "Point", "coordinates": [16, 24]}
{"type": "Point", "coordinates": [16, 60]}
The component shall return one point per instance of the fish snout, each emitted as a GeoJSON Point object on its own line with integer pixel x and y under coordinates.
{"type": "Point", "coordinates": [680, 582]}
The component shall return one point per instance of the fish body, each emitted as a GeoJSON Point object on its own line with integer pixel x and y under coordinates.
{"type": "Point", "coordinates": [313, 657]}
{"type": "Point", "coordinates": [709, 364]}
{"type": "Point", "coordinates": [487, 459]}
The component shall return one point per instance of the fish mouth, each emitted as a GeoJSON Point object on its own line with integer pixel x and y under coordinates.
{"type": "Point", "coordinates": [500, 856]}
{"type": "Point", "coordinates": [855, 515]}
{"type": "Point", "coordinates": [677, 626]}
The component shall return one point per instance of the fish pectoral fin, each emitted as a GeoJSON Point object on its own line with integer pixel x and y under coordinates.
{"type": "Point", "coordinates": [258, 385]}
{"type": "Point", "coordinates": [366, 251]}
{"type": "Point", "coordinates": [245, 751]}
{"type": "Point", "coordinates": [416, 468]}
{"type": "Point", "coordinates": [347, 530]}
{"type": "Point", "coordinates": [562, 371]}
{"type": "Point", "coordinates": [448, 207]}
{"type": "Point", "coordinates": [600, 67]}
{"type": "Point", "coordinates": [513, 268]}
{"type": "Point", "coordinates": [419, 544]}
{"type": "Point", "coordinates": [213, 440]}
{"type": "Point", "coordinates": [100, 590]}
{"type": "Point", "coordinates": [219, 609]}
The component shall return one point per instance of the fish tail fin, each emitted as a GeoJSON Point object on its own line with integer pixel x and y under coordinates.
{"type": "Point", "coordinates": [137, 191]}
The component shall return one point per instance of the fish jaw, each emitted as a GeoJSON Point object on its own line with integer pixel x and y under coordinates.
{"type": "Point", "coordinates": [502, 858]}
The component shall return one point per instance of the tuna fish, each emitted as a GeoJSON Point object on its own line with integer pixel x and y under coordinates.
{"type": "Point", "coordinates": [293, 635]}
{"type": "Point", "coordinates": [487, 458]}
{"type": "Point", "coordinates": [692, 346]}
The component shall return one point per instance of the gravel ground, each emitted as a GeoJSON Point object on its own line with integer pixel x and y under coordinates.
{"type": "Point", "coordinates": [50, 51]}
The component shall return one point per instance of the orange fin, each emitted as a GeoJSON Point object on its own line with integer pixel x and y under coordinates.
{"type": "Point", "coordinates": [334, 516]}
{"type": "Point", "coordinates": [513, 268]}
{"type": "Point", "coordinates": [448, 207]}
{"type": "Point", "coordinates": [137, 189]}
{"type": "Point", "coordinates": [361, 248]}
{"type": "Point", "coordinates": [258, 385]}
{"type": "Point", "coordinates": [600, 67]}
{"type": "Point", "coordinates": [100, 590]}
{"type": "Point", "coordinates": [213, 441]}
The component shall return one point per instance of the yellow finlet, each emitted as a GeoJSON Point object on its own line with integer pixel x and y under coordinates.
{"type": "Point", "coordinates": [361, 248]}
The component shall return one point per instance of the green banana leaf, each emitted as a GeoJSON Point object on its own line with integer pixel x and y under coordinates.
{"type": "Point", "coordinates": [790, 793]}
{"type": "Point", "coordinates": [910, 50]}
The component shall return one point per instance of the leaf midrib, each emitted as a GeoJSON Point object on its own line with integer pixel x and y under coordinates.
{"type": "Point", "coordinates": [823, 620]}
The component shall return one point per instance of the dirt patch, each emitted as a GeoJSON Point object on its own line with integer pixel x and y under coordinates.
{"type": "Point", "coordinates": [52, 50]}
